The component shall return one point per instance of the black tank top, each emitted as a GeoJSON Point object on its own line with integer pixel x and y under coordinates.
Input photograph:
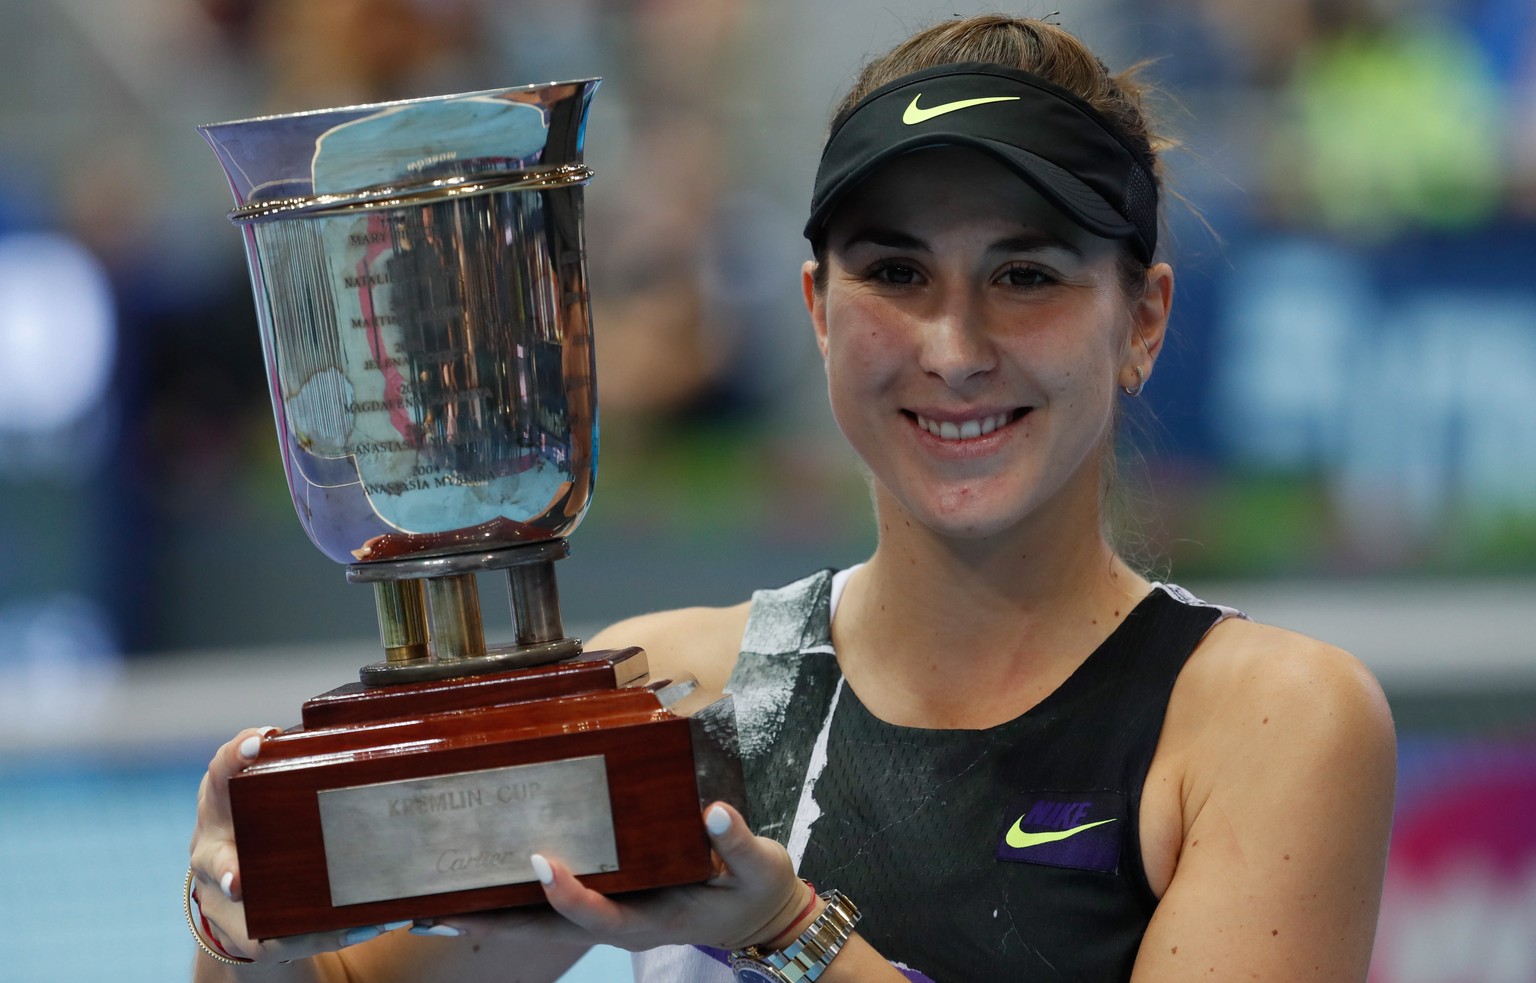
{"type": "Point", "coordinates": [1010, 853]}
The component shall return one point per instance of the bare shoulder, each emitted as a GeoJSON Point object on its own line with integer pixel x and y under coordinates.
{"type": "Point", "coordinates": [1250, 674]}
{"type": "Point", "coordinates": [1271, 802]}
{"type": "Point", "coordinates": [1257, 700]}
{"type": "Point", "coordinates": [701, 641]}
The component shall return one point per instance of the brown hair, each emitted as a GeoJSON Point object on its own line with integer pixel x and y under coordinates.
{"type": "Point", "coordinates": [1032, 46]}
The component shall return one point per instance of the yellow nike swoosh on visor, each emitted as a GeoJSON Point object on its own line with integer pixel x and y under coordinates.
{"type": "Point", "coordinates": [1018, 839]}
{"type": "Point", "coordinates": [916, 114]}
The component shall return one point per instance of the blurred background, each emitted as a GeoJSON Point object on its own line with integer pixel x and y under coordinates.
{"type": "Point", "coordinates": [1340, 439]}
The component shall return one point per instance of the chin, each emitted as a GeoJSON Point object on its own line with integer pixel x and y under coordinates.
{"type": "Point", "coordinates": [987, 508]}
{"type": "Point", "coordinates": [967, 520]}
{"type": "Point", "coordinates": [973, 530]}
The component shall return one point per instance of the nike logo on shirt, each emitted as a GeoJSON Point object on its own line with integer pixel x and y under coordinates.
{"type": "Point", "coordinates": [1018, 839]}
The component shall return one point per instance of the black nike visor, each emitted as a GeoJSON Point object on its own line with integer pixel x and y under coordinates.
{"type": "Point", "coordinates": [1054, 140]}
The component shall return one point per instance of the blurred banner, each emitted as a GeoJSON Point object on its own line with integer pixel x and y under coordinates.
{"type": "Point", "coordinates": [1460, 904]}
{"type": "Point", "coordinates": [1331, 406]}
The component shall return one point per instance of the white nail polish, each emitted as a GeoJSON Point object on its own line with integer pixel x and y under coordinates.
{"type": "Point", "coordinates": [717, 821]}
{"type": "Point", "coordinates": [541, 869]}
{"type": "Point", "coordinates": [443, 931]}
{"type": "Point", "coordinates": [226, 882]}
{"type": "Point", "coordinates": [250, 746]}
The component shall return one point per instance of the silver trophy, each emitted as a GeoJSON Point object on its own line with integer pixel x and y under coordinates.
{"type": "Point", "coordinates": [428, 346]}
{"type": "Point", "coordinates": [420, 283]}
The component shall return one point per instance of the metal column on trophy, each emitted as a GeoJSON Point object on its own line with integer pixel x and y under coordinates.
{"type": "Point", "coordinates": [419, 275]}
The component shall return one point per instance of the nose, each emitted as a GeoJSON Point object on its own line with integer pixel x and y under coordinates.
{"type": "Point", "coordinates": [956, 345]}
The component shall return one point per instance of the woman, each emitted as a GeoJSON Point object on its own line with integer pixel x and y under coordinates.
{"type": "Point", "coordinates": [1016, 756]}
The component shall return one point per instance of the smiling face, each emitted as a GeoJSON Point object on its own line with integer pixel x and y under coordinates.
{"type": "Point", "coordinates": [974, 338]}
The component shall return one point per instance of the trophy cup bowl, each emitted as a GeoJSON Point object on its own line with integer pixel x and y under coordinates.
{"type": "Point", "coordinates": [419, 275]}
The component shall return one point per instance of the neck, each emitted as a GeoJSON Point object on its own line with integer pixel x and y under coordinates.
{"type": "Point", "coordinates": [962, 632]}
{"type": "Point", "coordinates": [1035, 575]}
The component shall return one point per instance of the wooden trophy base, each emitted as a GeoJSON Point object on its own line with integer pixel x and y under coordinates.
{"type": "Point", "coordinates": [426, 799]}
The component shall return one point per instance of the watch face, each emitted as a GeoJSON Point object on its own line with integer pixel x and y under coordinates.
{"type": "Point", "coordinates": [748, 973]}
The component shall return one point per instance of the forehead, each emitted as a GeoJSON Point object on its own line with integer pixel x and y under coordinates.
{"type": "Point", "coordinates": [936, 188]}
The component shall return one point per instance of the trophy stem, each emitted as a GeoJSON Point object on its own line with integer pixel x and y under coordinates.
{"type": "Point", "coordinates": [402, 619]}
{"type": "Point", "coordinates": [429, 614]}
{"type": "Point", "coordinates": [535, 603]}
{"type": "Point", "coordinates": [454, 629]}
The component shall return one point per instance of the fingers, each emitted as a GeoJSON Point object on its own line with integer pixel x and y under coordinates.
{"type": "Point", "coordinates": [224, 922]}
{"type": "Point", "coordinates": [759, 866]}
{"type": "Point", "coordinates": [213, 848]}
{"type": "Point", "coordinates": [234, 757]}
{"type": "Point", "coordinates": [580, 905]}
{"type": "Point", "coordinates": [535, 924]}
{"type": "Point", "coordinates": [304, 946]}
{"type": "Point", "coordinates": [755, 896]}
{"type": "Point", "coordinates": [747, 857]}
{"type": "Point", "coordinates": [238, 754]}
{"type": "Point", "coordinates": [217, 868]}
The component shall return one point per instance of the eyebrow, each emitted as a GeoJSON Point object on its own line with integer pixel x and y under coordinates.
{"type": "Point", "coordinates": [1024, 242]}
{"type": "Point", "coordinates": [1034, 241]}
{"type": "Point", "coordinates": [889, 238]}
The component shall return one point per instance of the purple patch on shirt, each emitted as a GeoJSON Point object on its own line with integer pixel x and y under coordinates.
{"type": "Point", "coordinates": [1065, 829]}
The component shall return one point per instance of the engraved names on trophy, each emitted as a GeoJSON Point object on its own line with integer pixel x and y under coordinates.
{"type": "Point", "coordinates": [423, 363]}
{"type": "Point", "coordinates": [466, 830]}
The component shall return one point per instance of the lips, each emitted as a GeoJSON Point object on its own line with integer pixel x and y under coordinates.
{"type": "Point", "coordinates": [967, 428]}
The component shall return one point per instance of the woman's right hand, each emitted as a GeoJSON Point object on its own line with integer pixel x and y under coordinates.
{"type": "Point", "coordinates": [216, 867]}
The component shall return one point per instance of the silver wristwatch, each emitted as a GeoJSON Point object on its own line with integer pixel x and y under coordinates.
{"type": "Point", "coordinates": [804, 959]}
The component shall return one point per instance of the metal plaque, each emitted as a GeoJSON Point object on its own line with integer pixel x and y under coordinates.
{"type": "Point", "coordinates": [468, 830]}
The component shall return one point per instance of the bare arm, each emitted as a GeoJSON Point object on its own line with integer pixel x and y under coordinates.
{"type": "Point", "coordinates": [400, 956]}
{"type": "Point", "coordinates": [700, 641]}
{"type": "Point", "coordinates": [1287, 787]}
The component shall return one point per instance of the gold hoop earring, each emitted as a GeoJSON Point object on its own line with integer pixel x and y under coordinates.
{"type": "Point", "coordinates": [1141, 381]}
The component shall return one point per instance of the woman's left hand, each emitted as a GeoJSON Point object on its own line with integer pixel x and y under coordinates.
{"type": "Point", "coordinates": [754, 897]}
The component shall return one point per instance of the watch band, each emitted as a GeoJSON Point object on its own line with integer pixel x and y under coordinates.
{"type": "Point", "coordinates": [804, 959]}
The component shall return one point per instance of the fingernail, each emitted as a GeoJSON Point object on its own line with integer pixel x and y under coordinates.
{"type": "Point", "coordinates": [541, 869]}
{"type": "Point", "coordinates": [225, 883]}
{"type": "Point", "coordinates": [250, 746]}
{"type": "Point", "coordinates": [357, 935]}
{"type": "Point", "coordinates": [717, 821]}
{"type": "Point", "coordinates": [446, 931]}
{"type": "Point", "coordinates": [391, 926]}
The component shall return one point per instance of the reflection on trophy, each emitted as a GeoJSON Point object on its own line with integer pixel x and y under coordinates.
{"type": "Point", "coordinates": [419, 276]}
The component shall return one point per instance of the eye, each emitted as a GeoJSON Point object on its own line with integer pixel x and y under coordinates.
{"type": "Point", "coordinates": [1024, 275]}
{"type": "Point", "coordinates": [894, 273]}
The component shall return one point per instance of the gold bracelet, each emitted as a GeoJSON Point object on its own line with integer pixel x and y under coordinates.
{"type": "Point", "coordinates": [209, 950]}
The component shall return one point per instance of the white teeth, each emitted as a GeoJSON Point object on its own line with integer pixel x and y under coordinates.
{"type": "Point", "coordinates": [969, 430]}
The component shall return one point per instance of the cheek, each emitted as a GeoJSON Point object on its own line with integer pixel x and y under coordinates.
{"type": "Point", "coordinates": [1103, 351]}
{"type": "Point", "coordinates": [861, 347]}
{"type": "Point", "coordinates": [851, 385]}
{"type": "Point", "coordinates": [1078, 375]}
